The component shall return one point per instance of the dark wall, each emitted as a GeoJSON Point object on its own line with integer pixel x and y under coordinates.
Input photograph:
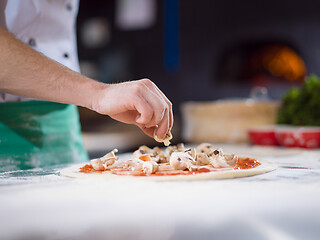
{"type": "Point", "coordinates": [209, 28]}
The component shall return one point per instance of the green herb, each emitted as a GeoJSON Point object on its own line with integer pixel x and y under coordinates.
{"type": "Point", "coordinates": [302, 106]}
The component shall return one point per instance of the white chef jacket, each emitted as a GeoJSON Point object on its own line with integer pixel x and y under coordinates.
{"type": "Point", "coordinates": [47, 26]}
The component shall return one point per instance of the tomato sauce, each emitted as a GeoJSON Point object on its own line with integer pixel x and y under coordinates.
{"type": "Point", "coordinates": [88, 169]}
{"type": "Point", "coordinates": [145, 158]}
{"type": "Point", "coordinates": [246, 163]}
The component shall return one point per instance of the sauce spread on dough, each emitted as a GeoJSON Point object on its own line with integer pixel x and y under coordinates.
{"type": "Point", "coordinates": [242, 163]}
{"type": "Point", "coordinates": [88, 169]}
{"type": "Point", "coordinates": [246, 163]}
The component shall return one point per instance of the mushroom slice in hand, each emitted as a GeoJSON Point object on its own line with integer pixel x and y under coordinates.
{"type": "Point", "coordinates": [149, 167]}
{"type": "Point", "coordinates": [182, 161]}
{"type": "Point", "coordinates": [166, 140]}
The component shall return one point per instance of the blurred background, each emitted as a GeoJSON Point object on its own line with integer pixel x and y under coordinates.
{"type": "Point", "coordinates": [197, 52]}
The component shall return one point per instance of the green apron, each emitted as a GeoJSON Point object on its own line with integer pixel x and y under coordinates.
{"type": "Point", "coordinates": [38, 134]}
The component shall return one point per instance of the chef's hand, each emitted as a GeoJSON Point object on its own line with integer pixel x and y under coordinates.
{"type": "Point", "coordinates": [137, 102]}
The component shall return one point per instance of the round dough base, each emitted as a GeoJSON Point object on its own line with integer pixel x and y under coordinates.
{"type": "Point", "coordinates": [265, 167]}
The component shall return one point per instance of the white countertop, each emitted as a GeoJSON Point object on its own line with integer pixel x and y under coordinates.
{"type": "Point", "coordinates": [283, 204]}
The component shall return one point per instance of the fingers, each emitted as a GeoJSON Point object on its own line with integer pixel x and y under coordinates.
{"type": "Point", "coordinates": [147, 131]}
{"type": "Point", "coordinates": [144, 109]}
{"type": "Point", "coordinates": [158, 105]}
{"type": "Point", "coordinates": [163, 118]}
{"type": "Point", "coordinates": [163, 126]}
{"type": "Point", "coordinates": [170, 112]}
{"type": "Point", "coordinates": [138, 102]}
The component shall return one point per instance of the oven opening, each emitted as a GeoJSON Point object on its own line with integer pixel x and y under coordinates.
{"type": "Point", "coordinates": [274, 65]}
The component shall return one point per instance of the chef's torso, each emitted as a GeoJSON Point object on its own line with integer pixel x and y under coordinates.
{"type": "Point", "coordinates": [47, 26]}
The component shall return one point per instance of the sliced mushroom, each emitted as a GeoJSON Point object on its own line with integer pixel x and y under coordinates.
{"type": "Point", "coordinates": [158, 155]}
{"type": "Point", "coordinates": [192, 152]}
{"type": "Point", "coordinates": [110, 154]}
{"type": "Point", "coordinates": [166, 140]}
{"type": "Point", "coordinates": [155, 154]}
{"type": "Point", "coordinates": [149, 167]}
{"type": "Point", "coordinates": [219, 162]}
{"type": "Point", "coordinates": [202, 159]}
{"type": "Point", "coordinates": [130, 165]}
{"type": "Point", "coordinates": [102, 163]}
{"type": "Point", "coordinates": [142, 150]}
{"type": "Point", "coordinates": [178, 148]}
{"type": "Point", "coordinates": [204, 148]}
{"type": "Point", "coordinates": [231, 158]}
{"type": "Point", "coordinates": [136, 166]}
{"type": "Point", "coordinates": [215, 152]}
{"type": "Point", "coordinates": [97, 164]}
{"type": "Point", "coordinates": [218, 152]}
{"type": "Point", "coordinates": [222, 160]}
{"type": "Point", "coordinates": [182, 161]}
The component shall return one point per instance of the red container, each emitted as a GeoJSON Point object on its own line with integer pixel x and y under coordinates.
{"type": "Point", "coordinates": [264, 135]}
{"type": "Point", "coordinates": [303, 137]}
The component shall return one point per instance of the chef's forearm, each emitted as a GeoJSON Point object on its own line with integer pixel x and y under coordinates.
{"type": "Point", "coordinates": [25, 72]}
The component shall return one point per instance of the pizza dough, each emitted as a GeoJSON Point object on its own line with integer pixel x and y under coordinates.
{"type": "Point", "coordinates": [223, 173]}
